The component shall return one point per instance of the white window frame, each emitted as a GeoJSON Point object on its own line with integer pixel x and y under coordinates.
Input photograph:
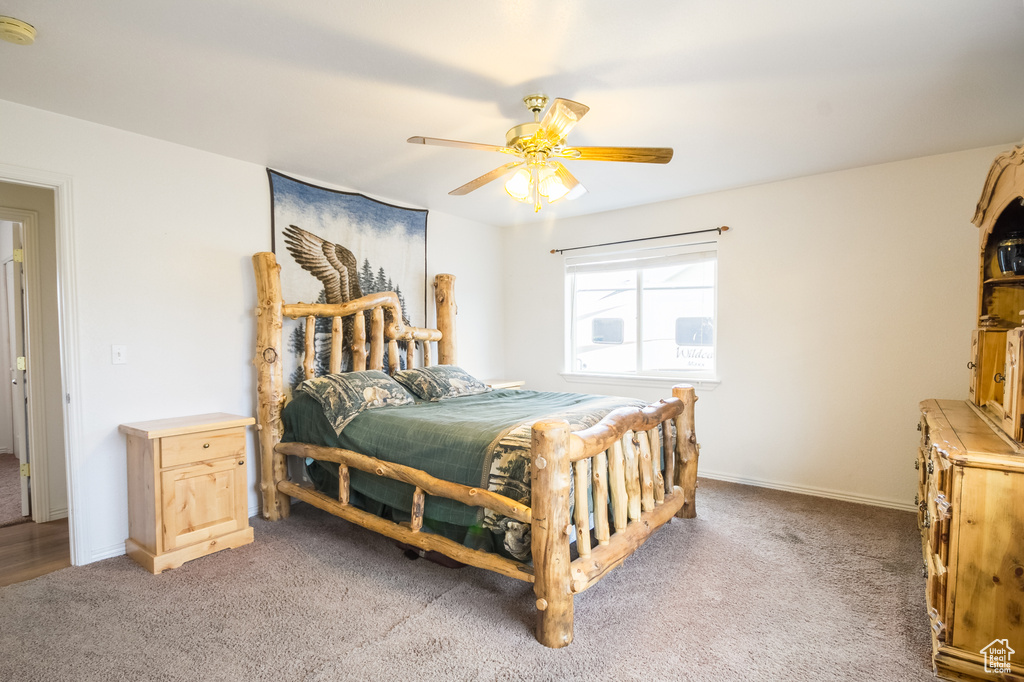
{"type": "Point", "coordinates": [700, 378]}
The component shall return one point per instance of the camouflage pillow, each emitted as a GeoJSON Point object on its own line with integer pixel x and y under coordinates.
{"type": "Point", "coordinates": [440, 382]}
{"type": "Point", "coordinates": [343, 396]}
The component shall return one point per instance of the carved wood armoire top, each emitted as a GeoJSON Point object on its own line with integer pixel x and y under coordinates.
{"type": "Point", "coordinates": [1000, 188]}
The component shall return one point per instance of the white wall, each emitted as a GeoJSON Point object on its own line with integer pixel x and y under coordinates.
{"type": "Point", "coordinates": [163, 237]}
{"type": "Point", "coordinates": [844, 300]}
{"type": "Point", "coordinates": [471, 252]}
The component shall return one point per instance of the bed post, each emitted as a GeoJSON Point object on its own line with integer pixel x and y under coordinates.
{"type": "Point", "coordinates": [269, 384]}
{"type": "Point", "coordinates": [687, 451]}
{"type": "Point", "coordinates": [444, 300]}
{"type": "Point", "coordinates": [550, 480]}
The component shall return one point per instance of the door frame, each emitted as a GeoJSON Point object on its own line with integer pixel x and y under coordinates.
{"type": "Point", "coordinates": [67, 303]}
{"type": "Point", "coordinates": [35, 434]}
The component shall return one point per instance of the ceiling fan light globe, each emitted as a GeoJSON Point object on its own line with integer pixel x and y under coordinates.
{"type": "Point", "coordinates": [552, 187]}
{"type": "Point", "coordinates": [518, 186]}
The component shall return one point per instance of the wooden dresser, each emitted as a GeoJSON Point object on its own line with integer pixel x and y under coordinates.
{"type": "Point", "coordinates": [971, 514]}
{"type": "Point", "coordinates": [186, 488]}
{"type": "Point", "coordinates": [971, 461]}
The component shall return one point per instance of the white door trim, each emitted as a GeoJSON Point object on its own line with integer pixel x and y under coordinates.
{"type": "Point", "coordinates": [67, 302]}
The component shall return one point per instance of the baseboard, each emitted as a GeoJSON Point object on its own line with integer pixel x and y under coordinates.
{"type": "Point", "coordinates": [108, 552]}
{"type": "Point", "coordinates": [805, 490]}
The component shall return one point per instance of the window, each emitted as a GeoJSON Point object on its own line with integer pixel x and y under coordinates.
{"type": "Point", "coordinates": [648, 312]}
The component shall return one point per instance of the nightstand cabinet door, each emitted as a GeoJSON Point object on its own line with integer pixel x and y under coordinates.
{"type": "Point", "coordinates": [203, 501]}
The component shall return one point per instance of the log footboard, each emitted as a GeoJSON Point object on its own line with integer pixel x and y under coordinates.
{"type": "Point", "coordinates": [620, 460]}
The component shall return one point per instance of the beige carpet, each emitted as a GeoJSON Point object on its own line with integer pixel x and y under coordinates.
{"type": "Point", "coordinates": [764, 585]}
{"type": "Point", "coordinates": [10, 491]}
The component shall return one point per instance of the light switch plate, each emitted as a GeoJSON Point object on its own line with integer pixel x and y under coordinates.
{"type": "Point", "coordinates": [118, 355]}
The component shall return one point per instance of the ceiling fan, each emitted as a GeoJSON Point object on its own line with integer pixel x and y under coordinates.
{"type": "Point", "coordinates": [538, 146]}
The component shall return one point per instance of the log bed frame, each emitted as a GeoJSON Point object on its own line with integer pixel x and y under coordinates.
{"type": "Point", "coordinates": [616, 457]}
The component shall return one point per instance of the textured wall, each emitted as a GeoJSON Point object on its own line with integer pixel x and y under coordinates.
{"type": "Point", "coordinates": [844, 300]}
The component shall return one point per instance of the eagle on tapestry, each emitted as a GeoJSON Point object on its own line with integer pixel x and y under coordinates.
{"type": "Point", "coordinates": [338, 270]}
{"type": "Point", "coordinates": [332, 264]}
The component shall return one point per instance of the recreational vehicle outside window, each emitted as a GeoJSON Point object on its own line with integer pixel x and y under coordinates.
{"type": "Point", "coordinates": [646, 312]}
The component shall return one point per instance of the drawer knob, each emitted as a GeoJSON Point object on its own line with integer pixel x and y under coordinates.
{"type": "Point", "coordinates": [971, 365]}
{"type": "Point", "coordinates": [241, 462]}
{"type": "Point", "coordinates": [998, 378]}
{"type": "Point", "coordinates": [206, 445]}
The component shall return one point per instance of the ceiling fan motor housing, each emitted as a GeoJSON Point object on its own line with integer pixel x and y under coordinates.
{"type": "Point", "coordinates": [520, 132]}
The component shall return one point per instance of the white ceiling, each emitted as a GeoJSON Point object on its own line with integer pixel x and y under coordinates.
{"type": "Point", "coordinates": [746, 91]}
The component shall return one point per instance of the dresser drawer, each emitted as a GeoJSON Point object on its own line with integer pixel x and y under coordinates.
{"type": "Point", "coordinates": [935, 588]}
{"type": "Point", "coordinates": [921, 466]}
{"type": "Point", "coordinates": [203, 446]}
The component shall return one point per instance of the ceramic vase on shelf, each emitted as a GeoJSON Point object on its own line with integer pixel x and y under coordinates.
{"type": "Point", "coordinates": [1010, 254]}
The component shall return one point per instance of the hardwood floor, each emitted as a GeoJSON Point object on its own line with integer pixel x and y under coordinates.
{"type": "Point", "coordinates": [30, 550]}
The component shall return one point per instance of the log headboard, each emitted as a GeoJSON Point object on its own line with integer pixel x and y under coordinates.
{"type": "Point", "coordinates": [366, 353]}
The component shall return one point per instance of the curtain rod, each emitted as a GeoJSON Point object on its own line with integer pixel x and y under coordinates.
{"type": "Point", "coordinates": [719, 230]}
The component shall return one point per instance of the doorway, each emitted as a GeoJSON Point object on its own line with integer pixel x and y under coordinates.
{"type": "Point", "coordinates": [31, 322]}
{"type": "Point", "coordinates": [15, 468]}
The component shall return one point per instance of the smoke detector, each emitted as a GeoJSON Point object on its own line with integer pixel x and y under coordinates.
{"type": "Point", "coordinates": [17, 31]}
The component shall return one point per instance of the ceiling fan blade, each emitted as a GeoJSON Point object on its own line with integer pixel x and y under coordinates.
{"type": "Point", "coordinates": [574, 186]}
{"type": "Point", "coordinates": [485, 178]}
{"type": "Point", "coordinates": [561, 117]}
{"type": "Point", "coordinates": [438, 142]}
{"type": "Point", "coordinates": [628, 154]}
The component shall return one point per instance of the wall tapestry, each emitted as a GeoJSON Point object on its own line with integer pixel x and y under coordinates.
{"type": "Point", "coordinates": [334, 246]}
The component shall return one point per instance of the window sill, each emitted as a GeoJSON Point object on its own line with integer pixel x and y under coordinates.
{"type": "Point", "coordinates": [703, 384]}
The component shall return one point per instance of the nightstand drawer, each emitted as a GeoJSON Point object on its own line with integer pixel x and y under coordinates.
{"type": "Point", "coordinates": [199, 447]}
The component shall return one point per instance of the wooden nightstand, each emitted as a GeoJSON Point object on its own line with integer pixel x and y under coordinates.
{"type": "Point", "coordinates": [186, 488]}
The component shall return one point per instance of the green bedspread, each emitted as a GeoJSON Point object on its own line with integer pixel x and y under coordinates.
{"type": "Point", "coordinates": [481, 441]}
